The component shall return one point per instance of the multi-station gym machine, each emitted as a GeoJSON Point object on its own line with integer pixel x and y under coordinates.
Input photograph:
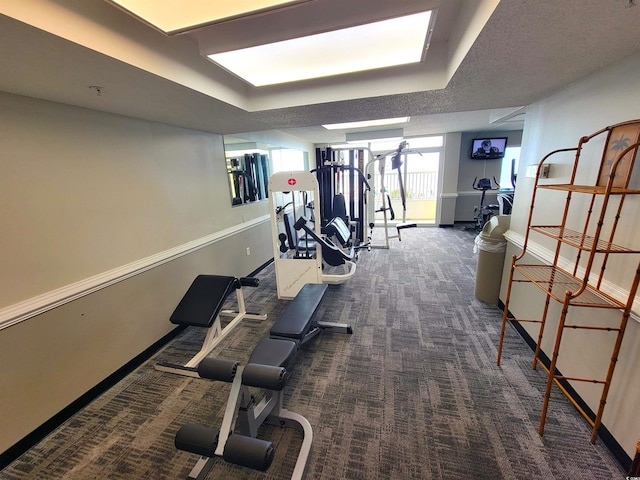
{"type": "Point", "coordinates": [319, 219]}
{"type": "Point", "coordinates": [344, 178]}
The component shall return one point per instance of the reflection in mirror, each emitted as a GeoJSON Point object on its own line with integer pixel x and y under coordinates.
{"type": "Point", "coordinates": [250, 164]}
{"type": "Point", "coordinates": [248, 168]}
{"type": "Point", "coordinates": [287, 160]}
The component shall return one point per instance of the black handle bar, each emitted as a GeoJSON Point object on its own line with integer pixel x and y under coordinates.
{"type": "Point", "coordinates": [484, 184]}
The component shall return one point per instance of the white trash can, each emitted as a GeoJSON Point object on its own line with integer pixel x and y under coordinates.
{"type": "Point", "coordinates": [491, 248]}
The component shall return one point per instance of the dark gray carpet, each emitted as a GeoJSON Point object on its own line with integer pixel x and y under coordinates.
{"type": "Point", "coordinates": [414, 393]}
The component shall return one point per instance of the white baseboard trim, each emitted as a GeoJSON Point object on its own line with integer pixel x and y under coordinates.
{"type": "Point", "coordinates": [37, 305]}
{"type": "Point", "coordinates": [545, 255]}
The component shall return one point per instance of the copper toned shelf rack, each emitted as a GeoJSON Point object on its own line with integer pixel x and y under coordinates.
{"type": "Point", "coordinates": [579, 286]}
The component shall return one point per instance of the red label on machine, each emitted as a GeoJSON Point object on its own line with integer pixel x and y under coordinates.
{"type": "Point", "coordinates": [291, 181]}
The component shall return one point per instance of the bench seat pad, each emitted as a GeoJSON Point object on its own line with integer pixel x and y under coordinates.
{"type": "Point", "coordinates": [297, 318]}
{"type": "Point", "coordinates": [274, 352]}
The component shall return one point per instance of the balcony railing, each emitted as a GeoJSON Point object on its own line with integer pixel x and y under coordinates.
{"type": "Point", "coordinates": [417, 185]}
{"type": "Point", "coordinates": [420, 193]}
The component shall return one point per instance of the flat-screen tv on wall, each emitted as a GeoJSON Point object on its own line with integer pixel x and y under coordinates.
{"type": "Point", "coordinates": [488, 148]}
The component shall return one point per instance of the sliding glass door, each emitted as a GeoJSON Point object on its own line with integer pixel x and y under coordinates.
{"type": "Point", "coordinates": [418, 177]}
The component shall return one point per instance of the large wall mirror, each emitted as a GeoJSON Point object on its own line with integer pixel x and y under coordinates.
{"type": "Point", "coordinates": [250, 164]}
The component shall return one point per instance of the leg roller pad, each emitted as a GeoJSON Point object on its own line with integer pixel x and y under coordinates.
{"type": "Point", "coordinates": [248, 452]}
{"type": "Point", "coordinates": [218, 369]}
{"type": "Point", "coordinates": [197, 439]}
{"type": "Point", "coordinates": [264, 376]}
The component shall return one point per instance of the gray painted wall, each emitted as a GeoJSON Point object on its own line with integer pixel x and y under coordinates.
{"type": "Point", "coordinates": [83, 193]}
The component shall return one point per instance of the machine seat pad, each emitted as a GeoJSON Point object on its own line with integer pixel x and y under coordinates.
{"type": "Point", "coordinates": [274, 352]}
{"type": "Point", "coordinates": [203, 301]}
{"type": "Point", "coordinates": [297, 318]}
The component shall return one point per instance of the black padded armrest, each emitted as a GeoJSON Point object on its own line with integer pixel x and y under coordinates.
{"type": "Point", "coordinates": [203, 301]}
{"type": "Point", "coordinates": [338, 229]}
{"type": "Point", "coordinates": [297, 318]}
{"type": "Point", "coordinates": [331, 254]}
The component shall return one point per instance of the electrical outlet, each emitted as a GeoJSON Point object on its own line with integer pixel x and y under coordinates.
{"type": "Point", "coordinates": [544, 171]}
{"type": "Point", "coordinates": [532, 169]}
{"type": "Point", "coordinates": [248, 251]}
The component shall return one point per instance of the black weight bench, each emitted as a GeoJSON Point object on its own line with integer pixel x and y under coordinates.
{"type": "Point", "coordinates": [236, 441]}
{"type": "Point", "coordinates": [202, 306]}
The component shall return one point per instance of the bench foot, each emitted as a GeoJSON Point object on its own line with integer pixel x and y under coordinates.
{"type": "Point", "coordinates": [201, 469]}
{"type": "Point", "coordinates": [177, 369]}
{"type": "Point", "coordinates": [247, 315]}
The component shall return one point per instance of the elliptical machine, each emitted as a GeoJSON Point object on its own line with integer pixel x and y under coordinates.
{"type": "Point", "coordinates": [483, 213]}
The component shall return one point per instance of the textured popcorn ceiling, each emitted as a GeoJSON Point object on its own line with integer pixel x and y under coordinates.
{"type": "Point", "coordinates": [527, 50]}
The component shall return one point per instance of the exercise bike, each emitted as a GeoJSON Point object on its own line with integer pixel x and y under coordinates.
{"type": "Point", "coordinates": [483, 213]}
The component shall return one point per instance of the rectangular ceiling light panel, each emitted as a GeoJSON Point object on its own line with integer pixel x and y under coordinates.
{"type": "Point", "coordinates": [393, 134]}
{"type": "Point", "coordinates": [173, 16]}
{"type": "Point", "coordinates": [398, 41]}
